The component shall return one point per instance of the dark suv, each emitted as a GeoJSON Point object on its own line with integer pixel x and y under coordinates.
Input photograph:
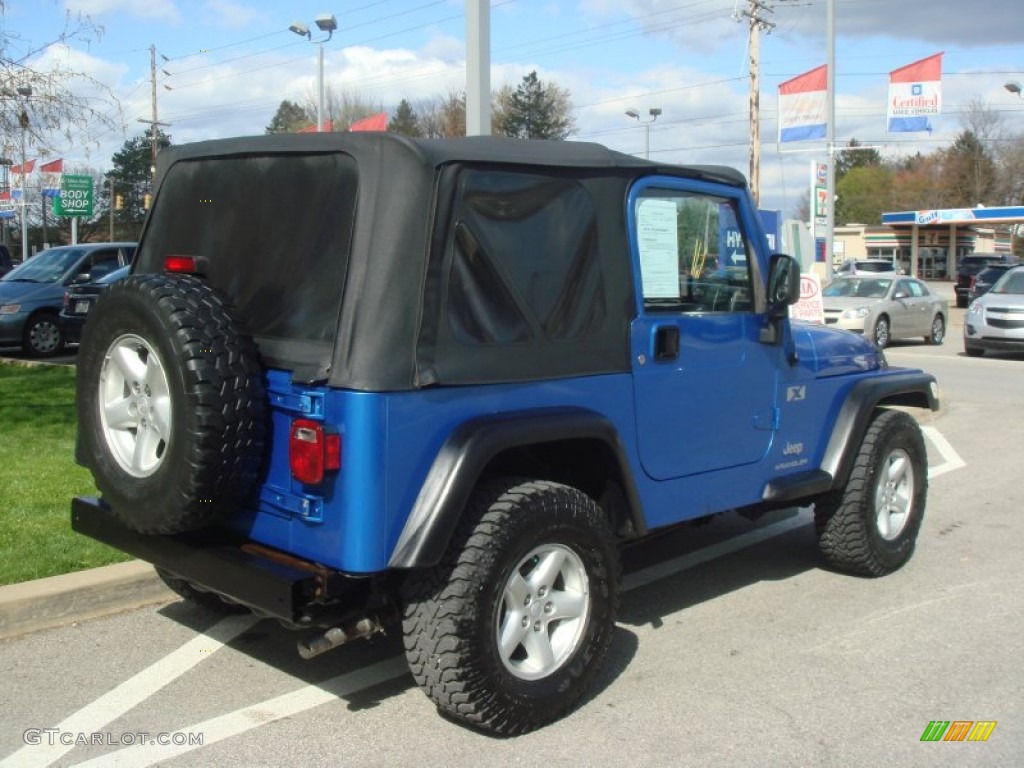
{"type": "Point", "coordinates": [379, 381]}
{"type": "Point", "coordinates": [970, 265]}
{"type": "Point", "coordinates": [982, 282]}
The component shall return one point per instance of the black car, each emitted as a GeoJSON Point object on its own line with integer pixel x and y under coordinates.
{"type": "Point", "coordinates": [78, 300]}
{"type": "Point", "coordinates": [984, 280]}
{"type": "Point", "coordinates": [970, 265]}
{"type": "Point", "coordinates": [6, 263]}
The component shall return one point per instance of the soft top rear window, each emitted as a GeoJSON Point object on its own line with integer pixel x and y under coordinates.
{"type": "Point", "coordinates": [276, 231]}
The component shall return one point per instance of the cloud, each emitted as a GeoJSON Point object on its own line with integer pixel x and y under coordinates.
{"type": "Point", "coordinates": [164, 10]}
{"type": "Point", "coordinates": [226, 13]}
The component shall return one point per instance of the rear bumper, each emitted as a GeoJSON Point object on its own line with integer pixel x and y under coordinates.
{"type": "Point", "coordinates": [213, 562]}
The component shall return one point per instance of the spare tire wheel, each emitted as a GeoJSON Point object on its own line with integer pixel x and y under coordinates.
{"type": "Point", "coordinates": [171, 403]}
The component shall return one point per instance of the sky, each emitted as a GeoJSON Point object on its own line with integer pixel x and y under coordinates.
{"type": "Point", "coordinates": [224, 66]}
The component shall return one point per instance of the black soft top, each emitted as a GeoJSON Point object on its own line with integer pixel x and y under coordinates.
{"type": "Point", "coordinates": [366, 259]}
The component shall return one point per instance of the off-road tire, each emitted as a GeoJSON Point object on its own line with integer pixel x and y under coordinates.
{"type": "Point", "coordinates": [455, 613]}
{"type": "Point", "coordinates": [42, 336]}
{"type": "Point", "coordinates": [171, 406]}
{"type": "Point", "coordinates": [870, 527]}
{"type": "Point", "coordinates": [211, 601]}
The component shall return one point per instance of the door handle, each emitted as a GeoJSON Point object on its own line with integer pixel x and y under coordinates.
{"type": "Point", "coordinates": [666, 343]}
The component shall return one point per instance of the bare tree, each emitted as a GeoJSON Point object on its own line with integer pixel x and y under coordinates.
{"type": "Point", "coordinates": [45, 100]}
{"type": "Point", "coordinates": [342, 106]}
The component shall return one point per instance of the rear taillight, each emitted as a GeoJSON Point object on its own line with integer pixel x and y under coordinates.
{"type": "Point", "coordinates": [312, 451]}
{"type": "Point", "coordinates": [185, 265]}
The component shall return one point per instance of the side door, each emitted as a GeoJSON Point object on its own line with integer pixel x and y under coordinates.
{"type": "Point", "coordinates": [705, 386]}
{"type": "Point", "coordinates": [906, 314]}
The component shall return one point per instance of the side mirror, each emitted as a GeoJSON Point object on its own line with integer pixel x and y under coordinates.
{"type": "Point", "coordinates": [81, 277]}
{"type": "Point", "coordinates": [783, 285]}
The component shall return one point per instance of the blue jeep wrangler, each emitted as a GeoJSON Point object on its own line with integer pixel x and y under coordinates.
{"type": "Point", "coordinates": [358, 380]}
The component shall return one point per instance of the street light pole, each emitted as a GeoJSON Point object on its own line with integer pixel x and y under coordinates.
{"type": "Point", "coordinates": [326, 23]}
{"type": "Point", "coordinates": [653, 112]}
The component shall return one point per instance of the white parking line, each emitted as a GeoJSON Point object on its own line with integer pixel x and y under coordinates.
{"type": "Point", "coordinates": [111, 705]}
{"type": "Point", "coordinates": [950, 457]}
{"type": "Point", "coordinates": [242, 720]}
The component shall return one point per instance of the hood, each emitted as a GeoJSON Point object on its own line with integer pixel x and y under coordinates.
{"type": "Point", "coordinates": [847, 302]}
{"type": "Point", "coordinates": [12, 292]}
{"type": "Point", "coordinates": [833, 351]}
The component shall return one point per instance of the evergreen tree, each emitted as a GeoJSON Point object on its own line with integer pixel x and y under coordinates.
{"type": "Point", "coordinates": [405, 121]}
{"type": "Point", "coordinates": [856, 156]}
{"type": "Point", "coordinates": [289, 118]}
{"type": "Point", "coordinates": [132, 181]}
{"type": "Point", "coordinates": [535, 111]}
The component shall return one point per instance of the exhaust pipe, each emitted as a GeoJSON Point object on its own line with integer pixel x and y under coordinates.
{"type": "Point", "coordinates": [337, 636]}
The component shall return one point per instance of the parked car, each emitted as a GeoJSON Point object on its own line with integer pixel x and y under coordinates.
{"type": "Point", "coordinates": [867, 267]}
{"type": "Point", "coordinates": [6, 263]}
{"type": "Point", "coordinates": [995, 321]}
{"type": "Point", "coordinates": [982, 282]}
{"type": "Point", "coordinates": [886, 308]}
{"type": "Point", "coordinates": [78, 300]}
{"type": "Point", "coordinates": [445, 408]}
{"type": "Point", "coordinates": [32, 294]}
{"type": "Point", "coordinates": [970, 265]}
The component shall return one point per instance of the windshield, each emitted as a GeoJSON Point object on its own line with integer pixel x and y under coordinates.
{"type": "Point", "coordinates": [875, 266]}
{"type": "Point", "coordinates": [867, 288]}
{"type": "Point", "coordinates": [1011, 282]}
{"type": "Point", "coordinates": [48, 267]}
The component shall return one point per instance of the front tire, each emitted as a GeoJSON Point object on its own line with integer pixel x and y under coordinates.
{"type": "Point", "coordinates": [973, 351]}
{"type": "Point", "coordinates": [870, 526]}
{"type": "Point", "coordinates": [508, 631]}
{"type": "Point", "coordinates": [42, 336]}
{"type": "Point", "coordinates": [881, 332]}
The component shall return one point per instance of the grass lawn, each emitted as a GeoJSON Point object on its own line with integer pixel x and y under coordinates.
{"type": "Point", "coordinates": [38, 477]}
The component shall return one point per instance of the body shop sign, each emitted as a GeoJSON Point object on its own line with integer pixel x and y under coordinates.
{"type": "Point", "coordinates": [75, 196]}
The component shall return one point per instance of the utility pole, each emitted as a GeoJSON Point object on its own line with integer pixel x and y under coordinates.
{"type": "Point", "coordinates": [154, 123]}
{"type": "Point", "coordinates": [755, 14]}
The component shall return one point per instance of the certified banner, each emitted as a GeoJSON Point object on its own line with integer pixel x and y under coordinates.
{"type": "Point", "coordinates": [915, 93]}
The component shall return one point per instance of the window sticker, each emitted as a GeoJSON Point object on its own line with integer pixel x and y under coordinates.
{"type": "Point", "coordinates": [658, 242]}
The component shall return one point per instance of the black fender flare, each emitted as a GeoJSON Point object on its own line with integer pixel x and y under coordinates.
{"type": "Point", "coordinates": [465, 455]}
{"type": "Point", "coordinates": [905, 388]}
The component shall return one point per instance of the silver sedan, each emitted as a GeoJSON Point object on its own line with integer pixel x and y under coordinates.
{"type": "Point", "coordinates": [886, 308]}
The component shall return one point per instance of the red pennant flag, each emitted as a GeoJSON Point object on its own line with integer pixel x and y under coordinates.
{"type": "Point", "coordinates": [373, 123]}
{"type": "Point", "coordinates": [54, 166]}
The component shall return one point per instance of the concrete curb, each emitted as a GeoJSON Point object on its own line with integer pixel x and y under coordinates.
{"type": "Point", "coordinates": [59, 600]}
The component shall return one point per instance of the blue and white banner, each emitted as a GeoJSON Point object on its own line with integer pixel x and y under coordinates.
{"type": "Point", "coordinates": [803, 106]}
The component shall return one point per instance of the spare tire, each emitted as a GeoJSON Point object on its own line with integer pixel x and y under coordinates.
{"type": "Point", "coordinates": [172, 412]}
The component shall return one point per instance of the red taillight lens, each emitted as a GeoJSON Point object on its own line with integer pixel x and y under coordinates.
{"type": "Point", "coordinates": [312, 451]}
{"type": "Point", "coordinates": [185, 265]}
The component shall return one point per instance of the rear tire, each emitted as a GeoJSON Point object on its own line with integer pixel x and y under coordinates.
{"type": "Point", "coordinates": [938, 331]}
{"type": "Point", "coordinates": [509, 630]}
{"type": "Point", "coordinates": [211, 601]}
{"type": "Point", "coordinates": [870, 526]}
